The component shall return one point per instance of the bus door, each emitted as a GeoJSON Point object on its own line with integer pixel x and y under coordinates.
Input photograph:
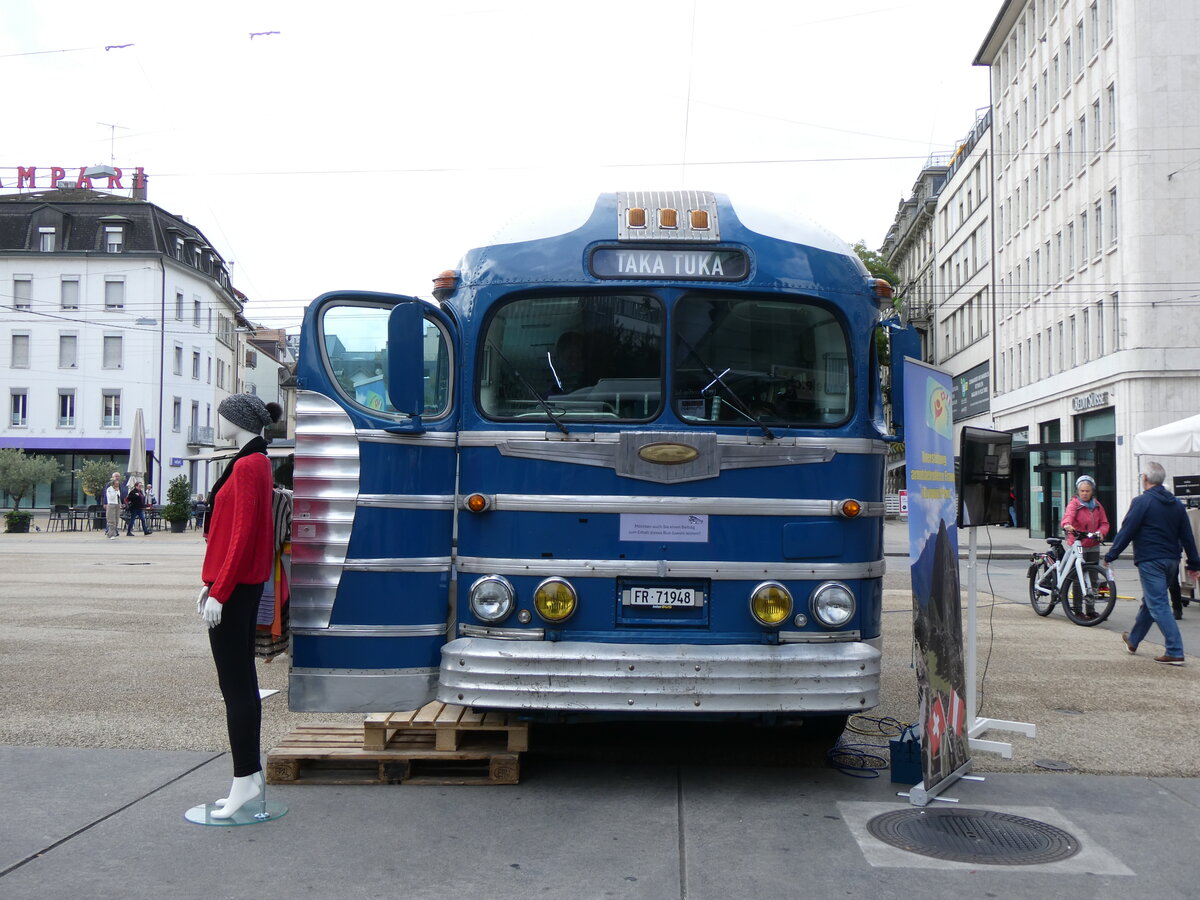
{"type": "Point", "coordinates": [374, 503]}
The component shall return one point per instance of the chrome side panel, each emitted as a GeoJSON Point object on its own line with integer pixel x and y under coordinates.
{"type": "Point", "coordinates": [322, 506]}
{"type": "Point", "coordinates": [717, 570]}
{"type": "Point", "coordinates": [576, 676]}
{"type": "Point", "coordinates": [359, 690]}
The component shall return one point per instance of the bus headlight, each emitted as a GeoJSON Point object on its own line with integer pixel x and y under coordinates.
{"type": "Point", "coordinates": [492, 598]}
{"type": "Point", "coordinates": [771, 603]}
{"type": "Point", "coordinates": [833, 604]}
{"type": "Point", "coordinates": [555, 599]}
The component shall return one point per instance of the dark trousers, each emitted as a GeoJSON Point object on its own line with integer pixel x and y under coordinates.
{"type": "Point", "coordinates": [232, 645]}
{"type": "Point", "coordinates": [134, 516]}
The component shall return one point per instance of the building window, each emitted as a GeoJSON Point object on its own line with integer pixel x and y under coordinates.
{"type": "Point", "coordinates": [46, 238]}
{"type": "Point", "coordinates": [69, 292]}
{"type": "Point", "coordinates": [179, 305]}
{"type": "Point", "coordinates": [112, 351]}
{"type": "Point", "coordinates": [1100, 327]}
{"type": "Point", "coordinates": [176, 413]}
{"type": "Point", "coordinates": [1112, 216]}
{"type": "Point", "coordinates": [221, 373]}
{"type": "Point", "coordinates": [114, 292]}
{"type": "Point", "coordinates": [177, 361]}
{"type": "Point", "coordinates": [196, 364]}
{"type": "Point", "coordinates": [19, 405]}
{"type": "Point", "coordinates": [114, 238]}
{"type": "Point", "coordinates": [196, 312]}
{"type": "Point", "coordinates": [111, 416]}
{"type": "Point", "coordinates": [68, 351]}
{"type": "Point", "coordinates": [208, 369]}
{"type": "Point", "coordinates": [1112, 112]}
{"type": "Point", "coordinates": [22, 291]}
{"type": "Point", "coordinates": [1115, 322]}
{"type": "Point", "coordinates": [1083, 238]}
{"type": "Point", "coordinates": [66, 407]}
{"type": "Point", "coordinates": [20, 352]}
{"type": "Point", "coordinates": [1087, 335]}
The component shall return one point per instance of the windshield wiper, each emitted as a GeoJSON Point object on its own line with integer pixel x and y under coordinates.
{"type": "Point", "coordinates": [737, 404]}
{"type": "Point", "coordinates": [529, 387]}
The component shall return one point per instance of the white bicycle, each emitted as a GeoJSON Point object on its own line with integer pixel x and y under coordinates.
{"type": "Point", "coordinates": [1075, 577]}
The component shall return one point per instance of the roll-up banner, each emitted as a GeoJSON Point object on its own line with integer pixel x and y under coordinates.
{"type": "Point", "coordinates": [933, 553]}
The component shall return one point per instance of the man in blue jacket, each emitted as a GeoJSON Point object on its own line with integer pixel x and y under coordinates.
{"type": "Point", "coordinates": [1158, 525]}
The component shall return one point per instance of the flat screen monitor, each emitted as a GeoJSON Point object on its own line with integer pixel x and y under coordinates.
{"type": "Point", "coordinates": [985, 461]}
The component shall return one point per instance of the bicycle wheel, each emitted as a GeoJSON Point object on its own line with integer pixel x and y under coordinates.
{"type": "Point", "coordinates": [1092, 602]}
{"type": "Point", "coordinates": [1043, 604]}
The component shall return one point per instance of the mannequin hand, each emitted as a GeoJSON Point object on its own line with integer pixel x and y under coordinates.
{"type": "Point", "coordinates": [212, 612]}
{"type": "Point", "coordinates": [200, 598]}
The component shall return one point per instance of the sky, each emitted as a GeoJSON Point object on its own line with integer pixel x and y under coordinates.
{"type": "Point", "coordinates": [367, 145]}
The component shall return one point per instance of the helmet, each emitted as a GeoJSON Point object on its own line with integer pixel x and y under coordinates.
{"type": "Point", "coordinates": [1085, 479]}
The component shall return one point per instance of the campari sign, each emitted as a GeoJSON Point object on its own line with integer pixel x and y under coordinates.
{"type": "Point", "coordinates": [49, 177]}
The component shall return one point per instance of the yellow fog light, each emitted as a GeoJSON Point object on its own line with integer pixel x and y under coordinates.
{"type": "Point", "coordinates": [555, 599]}
{"type": "Point", "coordinates": [771, 603]}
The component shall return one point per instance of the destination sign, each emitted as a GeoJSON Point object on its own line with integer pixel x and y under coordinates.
{"type": "Point", "coordinates": [669, 263]}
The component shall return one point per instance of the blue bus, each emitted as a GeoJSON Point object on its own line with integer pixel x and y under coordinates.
{"type": "Point", "coordinates": [630, 461]}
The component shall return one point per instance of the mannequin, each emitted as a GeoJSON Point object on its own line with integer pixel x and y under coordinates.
{"type": "Point", "coordinates": [239, 530]}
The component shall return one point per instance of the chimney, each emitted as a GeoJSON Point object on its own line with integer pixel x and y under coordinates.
{"type": "Point", "coordinates": [139, 191]}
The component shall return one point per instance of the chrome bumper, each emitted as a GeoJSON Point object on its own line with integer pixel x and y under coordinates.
{"type": "Point", "coordinates": [576, 676]}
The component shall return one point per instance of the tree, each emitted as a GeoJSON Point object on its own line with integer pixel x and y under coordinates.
{"type": "Point", "coordinates": [875, 263]}
{"type": "Point", "coordinates": [21, 474]}
{"type": "Point", "coordinates": [94, 475]}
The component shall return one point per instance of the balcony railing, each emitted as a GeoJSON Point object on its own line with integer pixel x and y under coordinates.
{"type": "Point", "coordinates": [200, 435]}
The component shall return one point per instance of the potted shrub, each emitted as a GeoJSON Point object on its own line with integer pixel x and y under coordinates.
{"type": "Point", "coordinates": [19, 475]}
{"type": "Point", "coordinates": [179, 503]}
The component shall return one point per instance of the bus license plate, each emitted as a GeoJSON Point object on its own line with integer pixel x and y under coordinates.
{"type": "Point", "coordinates": [662, 596]}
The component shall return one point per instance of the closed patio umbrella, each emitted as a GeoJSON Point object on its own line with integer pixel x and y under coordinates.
{"type": "Point", "coordinates": [137, 448]}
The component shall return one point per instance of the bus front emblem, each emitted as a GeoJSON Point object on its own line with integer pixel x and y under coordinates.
{"type": "Point", "coordinates": [667, 454]}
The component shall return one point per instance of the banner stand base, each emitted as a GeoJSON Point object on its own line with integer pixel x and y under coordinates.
{"type": "Point", "coordinates": [1005, 750]}
{"type": "Point", "coordinates": [919, 795]}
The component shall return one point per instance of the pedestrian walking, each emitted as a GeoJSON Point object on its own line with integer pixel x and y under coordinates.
{"type": "Point", "coordinates": [136, 501]}
{"type": "Point", "coordinates": [1157, 524]}
{"type": "Point", "coordinates": [114, 498]}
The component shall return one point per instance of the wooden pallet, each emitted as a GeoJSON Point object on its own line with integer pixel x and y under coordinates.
{"type": "Point", "coordinates": [449, 724]}
{"type": "Point", "coordinates": [334, 754]}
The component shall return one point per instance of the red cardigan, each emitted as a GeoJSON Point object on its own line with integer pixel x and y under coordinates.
{"type": "Point", "coordinates": [241, 534]}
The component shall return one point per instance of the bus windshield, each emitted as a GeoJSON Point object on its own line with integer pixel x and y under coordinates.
{"type": "Point", "coordinates": [574, 358]}
{"type": "Point", "coordinates": [771, 360]}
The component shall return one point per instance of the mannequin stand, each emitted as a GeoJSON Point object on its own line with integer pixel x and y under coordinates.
{"type": "Point", "coordinates": [254, 812]}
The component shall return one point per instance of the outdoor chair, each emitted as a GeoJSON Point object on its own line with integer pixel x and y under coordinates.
{"type": "Point", "coordinates": [60, 518]}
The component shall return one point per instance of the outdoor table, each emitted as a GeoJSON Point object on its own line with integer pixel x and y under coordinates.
{"type": "Point", "coordinates": [79, 518]}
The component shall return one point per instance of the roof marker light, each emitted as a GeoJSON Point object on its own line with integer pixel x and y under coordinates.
{"type": "Point", "coordinates": [699, 219]}
{"type": "Point", "coordinates": [668, 218]}
{"type": "Point", "coordinates": [635, 217]}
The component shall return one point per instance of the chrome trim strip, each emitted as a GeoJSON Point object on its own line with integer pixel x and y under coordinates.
{"type": "Point", "coordinates": [442, 439]}
{"type": "Point", "coordinates": [396, 564]}
{"type": "Point", "coordinates": [374, 631]}
{"type": "Point", "coordinates": [817, 637]}
{"type": "Point", "coordinates": [717, 506]}
{"type": "Point", "coordinates": [406, 501]}
{"type": "Point", "coordinates": [869, 446]}
{"type": "Point", "coordinates": [577, 675]}
{"type": "Point", "coordinates": [717, 570]}
{"type": "Point", "coordinates": [360, 690]}
{"type": "Point", "coordinates": [503, 634]}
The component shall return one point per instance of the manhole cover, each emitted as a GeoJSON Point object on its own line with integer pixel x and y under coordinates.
{"type": "Point", "coordinates": [974, 836]}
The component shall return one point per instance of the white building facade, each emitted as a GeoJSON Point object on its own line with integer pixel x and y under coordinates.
{"type": "Point", "coordinates": [112, 305]}
{"type": "Point", "coordinates": [1096, 193]}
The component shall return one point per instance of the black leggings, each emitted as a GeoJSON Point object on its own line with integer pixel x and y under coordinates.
{"type": "Point", "coordinates": [232, 645]}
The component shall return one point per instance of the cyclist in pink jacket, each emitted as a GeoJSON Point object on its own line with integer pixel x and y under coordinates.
{"type": "Point", "coordinates": [1085, 514]}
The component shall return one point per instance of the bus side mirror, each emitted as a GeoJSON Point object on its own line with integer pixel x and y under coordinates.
{"type": "Point", "coordinates": [905, 342]}
{"type": "Point", "coordinates": [405, 358]}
